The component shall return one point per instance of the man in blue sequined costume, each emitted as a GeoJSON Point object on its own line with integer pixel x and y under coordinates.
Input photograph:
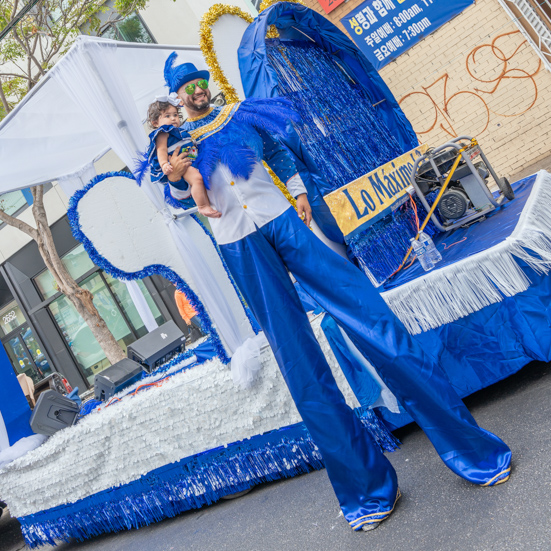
{"type": "Point", "coordinates": [261, 237]}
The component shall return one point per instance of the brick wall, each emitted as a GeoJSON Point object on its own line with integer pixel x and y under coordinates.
{"type": "Point", "coordinates": [440, 86]}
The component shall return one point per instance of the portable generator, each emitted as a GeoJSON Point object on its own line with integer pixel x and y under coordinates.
{"type": "Point", "coordinates": [458, 170]}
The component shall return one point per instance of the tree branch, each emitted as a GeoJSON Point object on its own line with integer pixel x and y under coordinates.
{"type": "Point", "coordinates": [29, 53]}
{"type": "Point", "coordinates": [14, 10]}
{"type": "Point", "coordinates": [19, 224]}
{"type": "Point", "coordinates": [14, 75]}
{"type": "Point", "coordinates": [5, 103]}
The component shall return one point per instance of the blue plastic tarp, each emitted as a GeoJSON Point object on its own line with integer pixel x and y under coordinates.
{"type": "Point", "coordinates": [14, 407]}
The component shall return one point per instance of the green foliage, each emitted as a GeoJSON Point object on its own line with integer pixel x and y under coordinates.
{"type": "Point", "coordinates": [36, 40]}
{"type": "Point", "coordinates": [14, 89]}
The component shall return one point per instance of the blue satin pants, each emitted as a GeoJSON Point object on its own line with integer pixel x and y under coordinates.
{"type": "Point", "coordinates": [363, 479]}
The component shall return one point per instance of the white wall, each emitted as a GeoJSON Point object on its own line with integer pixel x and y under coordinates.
{"type": "Point", "coordinates": [12, 239]}
{"type": "Point", "coordinates": [177, 22]}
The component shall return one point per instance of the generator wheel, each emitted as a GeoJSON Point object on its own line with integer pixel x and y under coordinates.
{"type": "Point", "coordinates": [506, 189]}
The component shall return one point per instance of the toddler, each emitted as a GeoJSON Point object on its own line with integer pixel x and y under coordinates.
{"type": "Point", "coordinates": [163, 116]}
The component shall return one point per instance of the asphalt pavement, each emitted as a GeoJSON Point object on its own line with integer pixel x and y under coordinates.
{"type": "Point", "coordinates": [438, 510]}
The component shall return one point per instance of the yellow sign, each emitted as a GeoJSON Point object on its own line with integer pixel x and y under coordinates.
{"type": "Point", "coordinates": [360, 202]}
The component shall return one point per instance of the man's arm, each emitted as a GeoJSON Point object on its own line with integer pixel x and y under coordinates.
{"type": "Point", "coordinates": [304, 209]}
{"type": "Point", "coordinates": [180, 163]}
{"type": "Point", "coordinates": [280, 161]}
{"type": "Point", "coordinates": [179, 188]}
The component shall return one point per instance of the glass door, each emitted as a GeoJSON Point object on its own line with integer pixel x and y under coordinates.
{"type": "Point", "coordinates": [21, 345]}
{"type": "Point", "coordinates": [25, 354]}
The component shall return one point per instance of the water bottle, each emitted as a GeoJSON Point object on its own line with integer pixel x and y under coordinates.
{"type": "Point", "coordinates": [421, 253]}
{"type": "Point", "coordinates": [430, 247]}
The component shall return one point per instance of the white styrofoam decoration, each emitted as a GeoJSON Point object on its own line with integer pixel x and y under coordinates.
{"type": "Point", "coordinates": [128, 231]}
{"type": "Point", "coordinates": [194, 411]}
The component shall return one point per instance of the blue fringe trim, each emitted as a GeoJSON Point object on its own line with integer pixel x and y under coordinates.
{"type": "Point", "coordinates": [338, 124]}
{"type": "Point", "coordinates": [378, 429]}
{"type": "Point", "coordinates": [172, 489]}
{"type": "Point", "coordinates": [382, 247]}
{"type": "Point", "coordinates": [104, 264]}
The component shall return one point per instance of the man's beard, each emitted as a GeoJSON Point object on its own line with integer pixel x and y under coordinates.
{"type": "Point", "coordinates": [200, 105]}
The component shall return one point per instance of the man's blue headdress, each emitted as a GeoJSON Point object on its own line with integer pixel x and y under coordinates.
{"type": "Point", "coordinates": [176, 77]}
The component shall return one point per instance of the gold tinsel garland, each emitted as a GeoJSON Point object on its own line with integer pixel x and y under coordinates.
{"type": "Point", "coordinates": [281, 186]}
{"type": "Point", "coordinates": [207, 46]}
{"type": "Point", "coordinates": [209, 53]}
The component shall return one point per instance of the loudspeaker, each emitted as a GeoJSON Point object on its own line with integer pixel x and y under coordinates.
{"type": "Point", "coordinates": [53, 412]}
{"type": "Point", "coordinates": [157, 347]}
{"type": "Point", "coordinates": [115, 378]}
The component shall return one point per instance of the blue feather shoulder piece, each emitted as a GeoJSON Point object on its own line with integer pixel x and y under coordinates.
{"type": "Point", "coordinates": [269, 114]}
{"type": "Point", "coordinates": [238, 145]}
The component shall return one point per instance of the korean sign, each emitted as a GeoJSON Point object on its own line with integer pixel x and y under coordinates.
{"type": "Point", "coordinates": [363, 201]}
{"type": "Point", "coordinates": [329, 5]}
{"type": "Point", "coordinates": [385, 29]}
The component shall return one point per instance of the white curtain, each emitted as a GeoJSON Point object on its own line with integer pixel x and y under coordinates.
{"type": "Point", "coordinates": [91, 75]}
{"type": "Point", "coordinates": [141, 305]}
{"type": "Point", "coordinates": [73, 182]}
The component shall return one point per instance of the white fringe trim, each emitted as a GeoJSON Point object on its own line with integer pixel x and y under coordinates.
{"type": "Point", "coordinates": [447, 294]}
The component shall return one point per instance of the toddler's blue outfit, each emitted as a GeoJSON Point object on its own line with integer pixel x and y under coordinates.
{"type": "Point", "coordinates": [177, 138]}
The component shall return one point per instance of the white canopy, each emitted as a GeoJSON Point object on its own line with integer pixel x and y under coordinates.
{"type": "Point", "coordinates": [49, 136]}
{"type": "Point", "coordinates": [94, 99]}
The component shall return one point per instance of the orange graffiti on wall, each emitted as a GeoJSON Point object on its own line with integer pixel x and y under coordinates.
{"type": "Point", "coordinates": [486, 64]}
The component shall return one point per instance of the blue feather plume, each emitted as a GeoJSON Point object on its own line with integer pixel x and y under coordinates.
{"type": "Point", "coordinates": [141, 166]}
{"type": "Point", "coordinates": [270, 114]}
{"type": "Point", "coordinates": [238, 145]}
{"type": "Point", "coordinates": [169, 69]}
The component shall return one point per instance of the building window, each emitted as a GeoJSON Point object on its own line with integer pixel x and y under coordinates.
{"type": "Point", "coordinates": [126, 304]}
{"type": "Point", "coordinates": [78, 335]}
{"type": "Point", "coordinates": [12, 202]}
{"type": "Point", "coordinates": [11, 317]}
{"type": "Point", "coordinates": [130, 29]}
{"type": "Point", "coordinates": [533, 18]}
{"type": "Point", "coordinates": [77, 263]}
{"type": "Point", "coordinates": [113, 302]}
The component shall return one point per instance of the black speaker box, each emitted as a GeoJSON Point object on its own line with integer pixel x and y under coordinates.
{"type": "Point", "coordinates": [115, 378]}
{"type": "Point", "coordinates": [157, 347]}
{"type": "Point", "coordinates": [53, 412]}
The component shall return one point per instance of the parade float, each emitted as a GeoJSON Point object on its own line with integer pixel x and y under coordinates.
{"type": "Point", "coordinates": [187, 435]}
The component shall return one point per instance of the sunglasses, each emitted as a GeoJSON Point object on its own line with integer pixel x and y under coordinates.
{"type": "Point", "coordinates": [190, 88]}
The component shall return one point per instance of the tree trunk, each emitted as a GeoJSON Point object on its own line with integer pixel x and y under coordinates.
{"type": "Point", "coordinates": [80, 298]}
